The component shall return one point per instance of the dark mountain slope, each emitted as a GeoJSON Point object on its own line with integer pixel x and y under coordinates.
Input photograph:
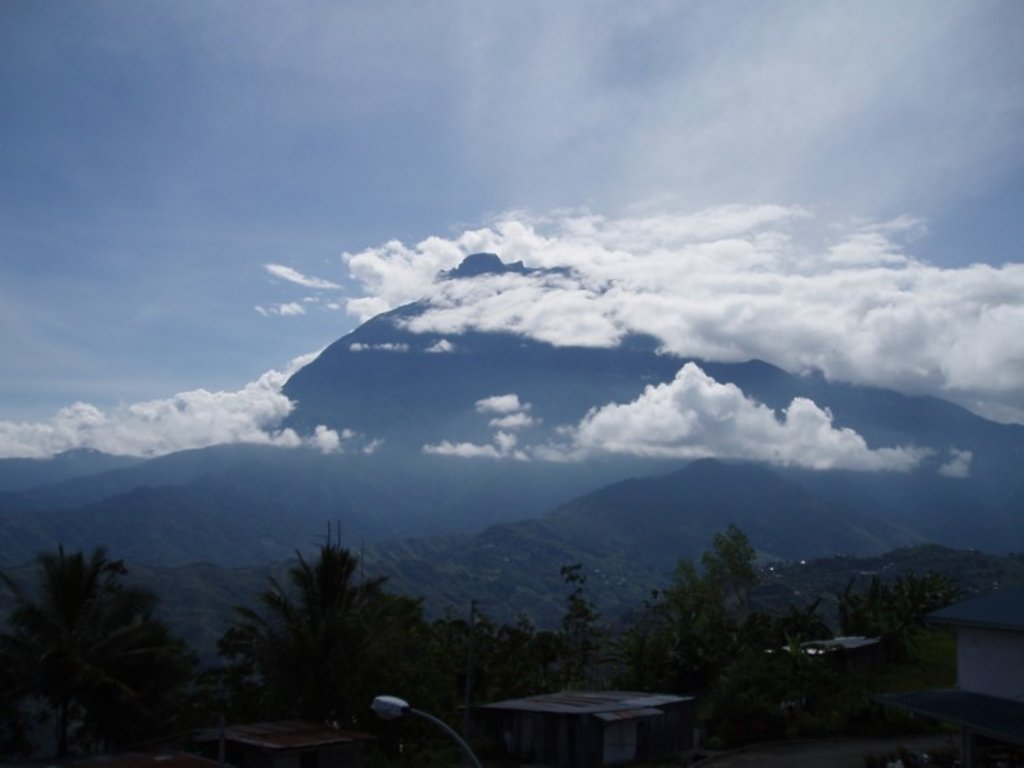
{"type": "Point", "coordinates": [173, 469]}
{"type": "Point", "coordinates": [22, 474]}
{"type": "Point", "coordinates": [254, 504]}
{"type": "Point", "coordinates": [415, 397]}
{"type": "Point", "coordinates": [629, 536]}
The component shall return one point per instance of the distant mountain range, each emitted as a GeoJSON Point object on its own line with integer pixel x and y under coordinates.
{"type": "Point", "coordinates": [396, 398]}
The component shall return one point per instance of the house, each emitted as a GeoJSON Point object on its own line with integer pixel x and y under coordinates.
{"type": "Point", "coordinates": [988, 702]}
{"type": "Point", "coordinates": [578, 729]}
{"type": "Point", "coordinates": [284, 744]}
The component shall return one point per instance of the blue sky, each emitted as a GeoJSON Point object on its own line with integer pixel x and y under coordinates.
{"type": "Point", "coordinates": [156, 157]}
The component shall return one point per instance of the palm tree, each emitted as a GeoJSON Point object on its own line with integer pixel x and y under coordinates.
{"type": "Point", "coordinates": [89, 647]}
{"type": "Point", "coordinates": [321, 648]}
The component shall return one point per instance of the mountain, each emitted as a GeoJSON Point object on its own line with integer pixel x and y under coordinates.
{"type": "Point", "coordinates": [245, 505]}
{"type": "Point", "coordinates": [435, 429]}
{"type": "Point", "coordinates": [22, 474]}
{"type": "Point", "coordinates": [629, 536]}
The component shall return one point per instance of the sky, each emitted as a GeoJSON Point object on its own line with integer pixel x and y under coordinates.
{"type": "Point", "coordinates": [196, 196]}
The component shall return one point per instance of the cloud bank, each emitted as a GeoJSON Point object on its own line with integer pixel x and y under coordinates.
{"type": "Point", "coordinates": [695, 416]}
{"type": "Point", "coordinates": [194, 419]}
{"type": "Point", "coordinates": [851, 299]}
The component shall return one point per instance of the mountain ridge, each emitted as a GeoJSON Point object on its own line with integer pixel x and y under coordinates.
{"type": "Point", "coordinates": [440, 436]}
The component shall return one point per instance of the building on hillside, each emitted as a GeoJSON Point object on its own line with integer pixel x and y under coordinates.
{"type": "Point", "coordinates": [852, 653]}
{"type": "Point", "coordinates": [988, 702]}
{"type": "Point", "coordinates": [579, 729]}
{"type": "Point", "coordinates": [284, 744]}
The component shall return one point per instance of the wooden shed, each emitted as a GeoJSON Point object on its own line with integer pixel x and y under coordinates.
{"type": "Point", "coordinates": [579, 729]}
{"type": "Point", "coordinates": [285, 744]}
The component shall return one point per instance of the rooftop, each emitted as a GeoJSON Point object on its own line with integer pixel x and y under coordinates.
{"type": "Point", "coordinates": [998, 610]}
{"type": "Point", "coordinates": [1001, 719]}
{"type": "Point", "coordinates": [161, 759]}
{"type": "Point", "coordinates": [590, 702]}
{"type": "Point", "coordinates": [284, 734]}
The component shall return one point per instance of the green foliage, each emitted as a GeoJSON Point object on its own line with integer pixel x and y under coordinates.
{"type": "Point", "coordinates": [581, 636]}
{"type": "Point", "coordinates": [509, 660]}
{"type": "Point", "coordinates": [89, 648]}
{"type": "Point", "coordinates": [751, 668]}
{"type": "Point", "coordinates": [729, 567]}
{"type": "Point", "coordinates": [321, 641]}
{"type": "Point", "coordinates": [325, 647]}
{"type": "Point", "coordinates": [690, 631]}
{"type": "Point", "coordinates": [894, 611]}
{"type": "Point", "coordinates": [512, 660]}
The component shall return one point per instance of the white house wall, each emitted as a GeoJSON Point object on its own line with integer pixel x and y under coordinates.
{"type": "Point", "coordinates": [992, 662]}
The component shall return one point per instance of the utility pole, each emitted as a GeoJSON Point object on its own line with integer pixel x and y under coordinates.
{"type": "Point", "coordinates": [466, 719]}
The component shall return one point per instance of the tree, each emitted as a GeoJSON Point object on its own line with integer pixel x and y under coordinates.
{"type": "Point", "coordinates": [894, 610]}
{"type": "Point", "coordinates": [90, 648]}
{"type": "Point", "coordinates": [580, 633]}
{"type": "Point", "coordinates": [323, 648]}
{"type": "Point", "coordinates": [729, 568]}
{"type": "Point", "coordinates": [685, 636]}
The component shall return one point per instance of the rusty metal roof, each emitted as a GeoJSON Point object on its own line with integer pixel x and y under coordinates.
{"type": "Point", "coordinates": [164, 759]}
{"type": "Point", "coordinates": [284, 734]}
{"type": "Point", "coordinates": [588, 702]}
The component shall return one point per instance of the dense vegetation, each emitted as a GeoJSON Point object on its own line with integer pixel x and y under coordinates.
{"type": "Point", "coordinates": [88, 652]}
{"type": "Point", "coordinates": [84, 650]}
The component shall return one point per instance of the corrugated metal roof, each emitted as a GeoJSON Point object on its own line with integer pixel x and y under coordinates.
{"type": "Point", "coordinates": [999, 610]}
{"type": "Point", "coordinates": [627, 714]}
{"type": "Point", "coordinates": [284, 734]}
{"type": "Point", "coordinates": [1001, 719]}
{"type": "Point", "coordinates": [849, 642]}
{"type": "Point", "coordinates": [583, 702]}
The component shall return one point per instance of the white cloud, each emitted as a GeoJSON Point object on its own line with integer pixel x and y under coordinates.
{"type": "Point", "coordinates": [503, 447]}
{"type": "Point", "coordinates": [510, 414]}
{"type": "Point", "coordinates": [386, 347]}
{"type": "Point", "coordinates": [326, 440]}
{"type": "Point", "coordinates": [372, 446]}
{"type": "Point", "coordinates": [518, 420]}
{"type": "Point", "coordinates": [730, 284]}
{"type": "Point", "coordinates": [442, 346]}
{"type": "Point", "coordinates": [193, 419]}
{"type": "Point", "coordinates": [959, 464]}
{"type": "Point", "coordinates": [501, 404]}
{"type": "Point", "coordinates": [695, 416]}
{"type": "Point", "coordinates": [294, 276]}
{"type": "Point", "coordinates": [462, 450]}
{"type": "Point", "coordinates": [291, 309]}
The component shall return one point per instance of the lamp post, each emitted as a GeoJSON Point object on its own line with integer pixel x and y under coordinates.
{"type": "Point", "coordinates": [392, 707]}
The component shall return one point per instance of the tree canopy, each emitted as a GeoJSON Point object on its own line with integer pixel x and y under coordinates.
{"type": "Point", "coordinates": [324, 645]}
{"type": "Point", "coordinates": [89, 647]}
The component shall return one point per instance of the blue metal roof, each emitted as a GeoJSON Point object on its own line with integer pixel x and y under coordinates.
{"type": "Point", "coordinates": [998, 610]}
{"type": "Point", "coordinates": [1000, 719]}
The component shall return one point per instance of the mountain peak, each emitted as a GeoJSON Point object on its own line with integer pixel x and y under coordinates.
{"type": "Point", "coordinates": [484, 264]}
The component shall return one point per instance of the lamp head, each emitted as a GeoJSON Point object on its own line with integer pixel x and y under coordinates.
{"type": "Point", "coordinates": [389, 707]}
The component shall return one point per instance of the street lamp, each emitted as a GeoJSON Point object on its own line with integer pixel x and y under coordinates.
{"type": "Point", "coordinates": [392, 707]}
